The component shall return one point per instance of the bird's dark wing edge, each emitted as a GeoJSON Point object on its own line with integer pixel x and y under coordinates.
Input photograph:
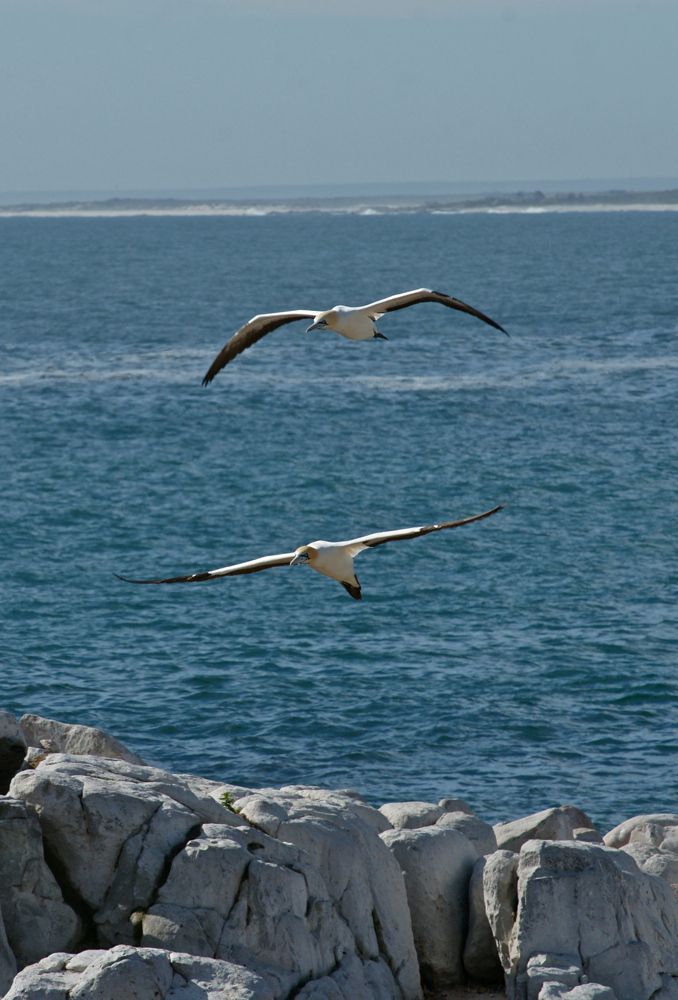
{"type": "Point", "coordinates": [418, 532]}
{"type": "Point", "coordinates": [246, 336]}
{"type": "Point", "coordinates": [240, 570]}
{"type": "Point", "coordinates": [451, 303]}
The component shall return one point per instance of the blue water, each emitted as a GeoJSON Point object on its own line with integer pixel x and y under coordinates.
{"type": "Point", "coordinates": [519, 663]}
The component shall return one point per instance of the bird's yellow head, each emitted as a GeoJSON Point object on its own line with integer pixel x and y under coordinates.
{"type": "Point", "coordinates": [324, 321]}
{"type": "Point", "coordinates": [304, 555]}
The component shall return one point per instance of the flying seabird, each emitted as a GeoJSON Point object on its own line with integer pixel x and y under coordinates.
{"type": "Point", "coordinates": [354, 323]}
{"type": "Point", "coordinates": [333, 559]}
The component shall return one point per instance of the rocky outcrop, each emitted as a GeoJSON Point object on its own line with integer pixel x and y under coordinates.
{"type": "Point", "coordinates": [174, 886]}
{"type": "Point", "coordinates": [123, 973]}
{"type": "Point", "coordinates": [500, 893]}
{"type": "Point", "coordinates": [651, 828]}
{"type": "Point", "coordinates": [37, 919]}
{"type": "Point", "coordinates": [353, 980]}
{"type": "Point", "coordinates": [481, 959]}
{"type": "Point", "coordinates": [339, 833]}
{"type": "Point", "coordinates": [481, 834]}
{"type": "Point", "coordinates": [550, 824]}
{"type": "Point", "coordinates": [12, 749]}
{"type": "Point", "coordinates": [411, 815]}
{"type": "Point", "coordinates": [244, 897]}
{"type": "Point", "coordinates": [562, 973]}
{"type": "Point", "coordinates": [293, 883]}
{"type": "Point", "coordinates": [7, 960]}
{"type": "Point", "coordinates": [581, 899]}
{"type": "Point", "coordinates": [456, 805]}
{"type": "Point", "coordinates": [437, 864]}
{"type": "Point", "coordinates": [109, 828]}
{"type": "Point", "coordinates": [59, 737]}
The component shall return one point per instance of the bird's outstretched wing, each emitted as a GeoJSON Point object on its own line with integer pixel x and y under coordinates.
{"type": "Point", "coordinates": [250, 333]}
{"type": "Point", "coordinates": [253, 566]}
{"type": "Point", "coordinates": [381, 537]}
{"type": "Point", "coordinates": [405, 299]}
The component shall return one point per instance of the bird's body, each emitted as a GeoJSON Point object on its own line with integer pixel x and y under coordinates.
{"type": "Point", "coordinates": [351, 322]}
{"type": "Point", "coordinates": [333, 559]}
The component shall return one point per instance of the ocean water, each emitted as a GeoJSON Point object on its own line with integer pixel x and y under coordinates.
{"type": "Point", "coordinates": [522, 662]}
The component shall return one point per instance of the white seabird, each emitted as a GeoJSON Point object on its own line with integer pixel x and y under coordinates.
{"type": "Point", "coordinates": [333, 559]}
{"type": "Point", "coordinates": [354, 323]}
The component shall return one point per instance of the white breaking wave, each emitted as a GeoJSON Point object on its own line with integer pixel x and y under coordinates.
{"type": "Point", "coordinates": [136, 367]}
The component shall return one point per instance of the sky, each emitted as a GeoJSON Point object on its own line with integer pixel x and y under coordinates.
{"type": "Point", "coordinates": [169, 95]}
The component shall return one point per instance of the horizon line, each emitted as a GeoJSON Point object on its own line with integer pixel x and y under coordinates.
{"type": "Point", "coordinates": [350, 189]}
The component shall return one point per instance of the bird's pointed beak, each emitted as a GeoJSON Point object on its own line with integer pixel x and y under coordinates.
{"type": "Point", "coordinates": [299, 560]}
{"type": "Point", "coordinates": [319, 325]}
{"type": "Point", "coordinates": [379, 336]}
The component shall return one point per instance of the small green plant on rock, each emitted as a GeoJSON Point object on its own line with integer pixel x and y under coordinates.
{"type": "Point", "coordinates": [227, 800]}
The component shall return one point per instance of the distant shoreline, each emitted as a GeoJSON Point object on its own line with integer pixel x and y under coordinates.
{"type": "Point", "coordinates": [533, 202]}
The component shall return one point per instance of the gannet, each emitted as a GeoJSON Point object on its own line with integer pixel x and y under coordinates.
{"type": "Point", "coordinates": [354, 323]}
{"type": "Point", "coordinates": [333, 559]}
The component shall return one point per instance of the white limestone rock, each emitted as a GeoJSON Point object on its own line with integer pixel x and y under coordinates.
{"type": "Point", "coordinates": [210, 979]}
{"type": "Point", "coordinates": [37, 920]}
{"type": "Point", "coordinates": [552, 991]}
{"type": "Point", "coordinates": [621, 834]}
{"type": "Point", "coordinates": [353, 980]}
{"type": "Point", "coordinates": [437, 863]}
{"type": "Point", "coordinates": [7, 960]}
{"type": "Point", "coordinates": [655, 849]}
{"type": "Point", "coordinates": [60, 737]}
{"type": "Point", "coordinates": [481, 834]}
{"type": "Point", "coordinates": [500, 892]}
{"type": "Point", "coordinates": [83, 959]}
{"type": "Point", "coordinates": [665, 865]}
{"type": "Point", "coordinates": [456, 805]}
{"type": "Point", "coordinates": [111, 827]}
{"type": "Point", "coordinates": [127, 973]}
{"type": "Point", "coordinates": [583, 899]}
{"type": "Point", "coordinates": [481, 959]}
{"type": "Point", "coordinates": [579, 818]}
{"type": "Point", "coordinates": [12, 749]}
{"type": "Point", "coordinates": [586, 991]}
{"type": "Point", "coordinates": [339, 834]}
{"type": "Point", "coordinates": [587, 835]}
{"type": "Point", "coordinates": [655, 862]}
{"type": "Point", "coordinates": [247, 898]}
{"type": "Point", "coordinates": [341, 799]}
{"type": "Point", "coordinates": [669, 989]}
{"type": "Point", "coordinates": [47, 979]}
{"type": "Point", "coordinates": [307, 798]}
{"type": "Point", "coordinates": [411, 815]}
{"type": "Point", "coordinates": [650, 833]}
{"type": "Point", "coordinates": [562, 970]}
{"type": "Point", "coordinates": [550, 824]}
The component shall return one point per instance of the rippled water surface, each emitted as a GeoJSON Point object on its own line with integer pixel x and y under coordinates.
{"type": "Point", "coordinates": [521, 662]}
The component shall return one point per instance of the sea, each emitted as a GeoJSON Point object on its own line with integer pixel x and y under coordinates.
{"type": "Point", "coordinates": [521, 662]}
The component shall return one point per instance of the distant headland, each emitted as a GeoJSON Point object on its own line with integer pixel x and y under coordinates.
{"type": "Point", "coordinates": [371, 204]}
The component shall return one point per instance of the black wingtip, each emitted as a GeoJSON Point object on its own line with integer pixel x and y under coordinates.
{"type": "Point", "coordinates": [456, 303]}
{"type": "Point", "coordinates": [491, 322]}
{"type": "Point", "coordinates": [126, 579]}
{"type": "Point", "coordinates": [352, 590]}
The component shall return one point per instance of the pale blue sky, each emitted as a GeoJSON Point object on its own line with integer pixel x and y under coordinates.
{"type": "Point", "coordinates": [190, 94]}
